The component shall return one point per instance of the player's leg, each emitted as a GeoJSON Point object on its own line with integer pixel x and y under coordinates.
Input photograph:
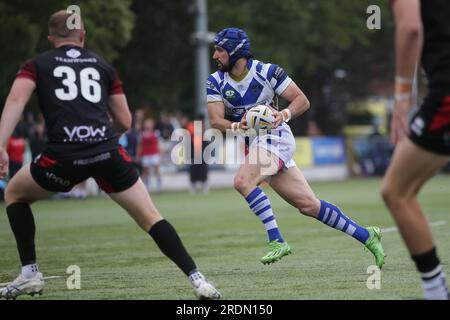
{"type": "Point", "coordinates": [120, 180]}
{"type": "Point", "coordinates": [21, 191]}
{"type": "Point", "coordinates": [410, 168]}
{"type": "Point", "coordinates": [137, 202]}
{"type": "Point", "coordinates": [204, 178]}
{"type": "Point", "coordinates": [258, 165]}
{"type": "Point", "coordinates": [292, 186]}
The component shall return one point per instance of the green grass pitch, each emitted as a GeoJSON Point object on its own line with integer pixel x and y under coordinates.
{"type": "Point", "coordinates": [119, 261]}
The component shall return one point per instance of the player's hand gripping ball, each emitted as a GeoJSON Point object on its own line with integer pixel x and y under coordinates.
{"type": "Point", "coordinates": [260, 118]}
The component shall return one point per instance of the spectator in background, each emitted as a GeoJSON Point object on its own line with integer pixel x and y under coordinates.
{"type": "Point", "coordinates": [165, 129]}
{"type": "Point", "coordinates": [164, 126]}
{"type": "Point", "coordinates": [313, 129]}
{"type": "Point", "coordinates": [174, 120]}
{"type": "Point", "coordinates": [185, 122]}
{"type": "Point", "coordinates": [148, 152]}
{"type": "Point", "coordinates": [380, 151]}
{"type": "Point", "coordinates": [16, 150]}
{"type": "Point", "coordinates": [37, 137]}
{"type": "Point", "coordinates": [139, 115]}
{"type": "Point", "coordinates": [133, 140]}
{"type": "Point", "coordinates": [198, 172]}
{"type": "Point", "coordinates": [28, 123]}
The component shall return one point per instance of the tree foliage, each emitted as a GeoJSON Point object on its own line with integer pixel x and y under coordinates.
{"type": "Point", "coordinates": [150, 44]}
{"type": "Point", "coordinates": [311, 40]}
{"type": "Point", "coordinates": [157, 66]}
{"type": "Point", "coordinates": [23, 30]}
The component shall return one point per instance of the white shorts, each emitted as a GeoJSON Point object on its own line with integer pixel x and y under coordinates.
{"type": "Point", "coordinates": [150, 161]}
{"type": "Point", "coordinates": [280, 142]}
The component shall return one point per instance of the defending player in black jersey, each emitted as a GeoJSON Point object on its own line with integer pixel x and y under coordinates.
{"type": "Point", "coordinates": [423, 145]}
{"type": "Point", "coordinates": [77, 92]}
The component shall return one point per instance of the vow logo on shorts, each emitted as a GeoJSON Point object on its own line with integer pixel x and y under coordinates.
{"type": "Point", "coordinates": [85, 133]}
{"type": "Point", "coordinates": [57, 180]}
{"type": "Point", "coordinates": [417, 126]}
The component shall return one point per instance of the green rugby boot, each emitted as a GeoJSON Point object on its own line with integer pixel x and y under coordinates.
{"type": "Point", "coordinates": [277, 250]}
{"type": "Point", "coordinates": [374, 245]}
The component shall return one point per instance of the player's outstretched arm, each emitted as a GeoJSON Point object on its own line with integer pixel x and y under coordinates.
{"type": "Point", "coordinates": [18, 97]}
{"type": "Point", "coordinates": [120, 113]}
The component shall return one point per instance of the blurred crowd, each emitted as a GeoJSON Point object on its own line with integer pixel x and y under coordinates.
{"type": "Point", "coordinates": [148, 143]}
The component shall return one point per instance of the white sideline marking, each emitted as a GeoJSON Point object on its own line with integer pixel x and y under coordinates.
{"type": "Point", "coordinates": [45, 278]}
{"type": "Point", "coordinates": [432, 224]}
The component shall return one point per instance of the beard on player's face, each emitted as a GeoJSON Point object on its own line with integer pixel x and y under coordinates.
{"type": "Point", "coordinates": [224, 67]}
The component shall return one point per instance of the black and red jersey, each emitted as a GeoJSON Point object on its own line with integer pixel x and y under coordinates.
{"type": "Point", "coordinates": [73, 85]}
{"type": "Point", "coordinates": [436, 47]}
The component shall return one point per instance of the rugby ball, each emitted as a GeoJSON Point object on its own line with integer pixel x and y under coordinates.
{"type": "Point", "coordinates": [260, 118]}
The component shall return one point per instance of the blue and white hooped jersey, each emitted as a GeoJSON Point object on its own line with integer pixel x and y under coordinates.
{"type": "Point", "coordinates": [262, 82]}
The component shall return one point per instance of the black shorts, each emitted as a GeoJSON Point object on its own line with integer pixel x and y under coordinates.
{"type": "Point", "coordinates": [14, 167]}
{"type": "Point", "coordinates": [112, 170]}
{"type": "Point", "coordinates": [430, 125]}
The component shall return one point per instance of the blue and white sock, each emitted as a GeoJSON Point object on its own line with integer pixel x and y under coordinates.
{"type": "Point", "coordinates": [333, 217]}
{"type": "Point", "coordinates": [260, 205]}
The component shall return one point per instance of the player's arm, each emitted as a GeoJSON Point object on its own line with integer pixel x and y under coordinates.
{"type": "Point", "coordinates": [408, 48]}
{"type": "Point", "coordinates": [18, 97]}
{"type": "Point", "coordinates": [298, 104]}
{"type": "Point", "coordinates": [120, 112]}
{"type": "Point", "coordinates": [216, 112]}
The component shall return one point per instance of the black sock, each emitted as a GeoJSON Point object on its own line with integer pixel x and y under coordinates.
{"type": "Point", "coordinates": [23, 227]}
{"type": "Point", "coordinates": [170, 244]}
{"type": "Point", "coordinates": [434, 283]}
{"type": "Point", "coordinates": [427, 262]}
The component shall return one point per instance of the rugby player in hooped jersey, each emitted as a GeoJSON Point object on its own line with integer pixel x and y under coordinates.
{"type": "Point", "coordinates": [240, 84]}
{"type": "Point", "coordinates": [76, 90]}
